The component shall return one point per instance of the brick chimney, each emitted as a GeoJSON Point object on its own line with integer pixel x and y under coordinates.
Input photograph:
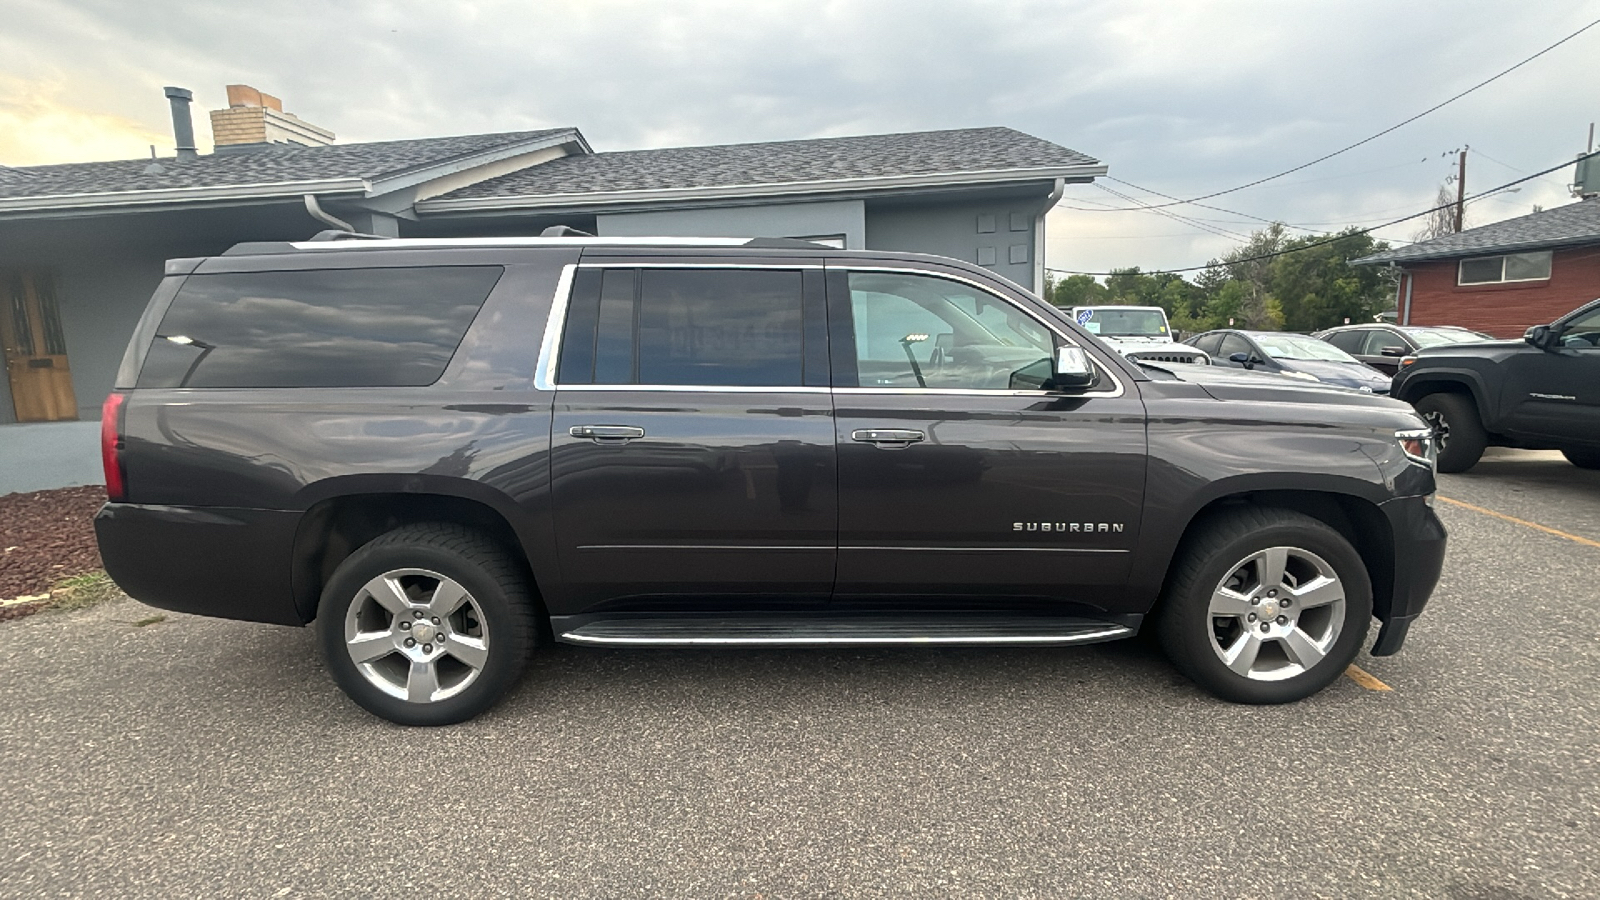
{"type": "Point", "coordinates": [254, 121]}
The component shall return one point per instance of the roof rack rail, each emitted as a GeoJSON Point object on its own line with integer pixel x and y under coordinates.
{"type": "Point", "coordinates": [334, 234]}
{"type": "Point", "coordinates": [770, 243]}
{"type": "Point", "coordinates": [563, 231]}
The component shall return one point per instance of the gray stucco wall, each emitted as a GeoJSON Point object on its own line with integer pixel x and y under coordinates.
{"type": "Point", "coordinates": [846, 217]}
{"type": "Point", "coordinates": [997, 234]}
{"type": "Point", "coordinates": [42, 456]}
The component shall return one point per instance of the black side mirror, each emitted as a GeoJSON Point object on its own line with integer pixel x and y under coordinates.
{"type": "Point", "coordinates": [1243, 359]}
{"type": "Point", "coordinates": [1542, 336]}
{"type": "Point", "coordinates": [1393, 351]}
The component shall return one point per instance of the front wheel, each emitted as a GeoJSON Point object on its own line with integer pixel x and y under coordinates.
{"type": "Point", "coordinates": [1265, 606]}
{"type": "Point", "coordinates": [1457, 428]}
{"type": "Point", "coordinates": [1582, 457]}
{"type": "Point", "coordinates": [426, 625]}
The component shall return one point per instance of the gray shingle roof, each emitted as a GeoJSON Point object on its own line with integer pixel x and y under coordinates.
{"type": "Point", "coordinates": [1565, 226]}
{"type": "Point", "coordinates": [268, 166]}
{"type": "Point", "coordinates": [782, 162]}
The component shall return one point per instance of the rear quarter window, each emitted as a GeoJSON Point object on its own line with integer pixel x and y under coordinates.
{"type": "Point", "coordinates": [390, 327]}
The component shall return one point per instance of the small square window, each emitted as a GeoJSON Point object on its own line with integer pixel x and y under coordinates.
{"type": "Point", "coordinates": [1019, 222]}
{"type": "Point", "coordinates": [986, 223]}
{"type": "Point", "coordinates": [986, 256]}
{"type": "Point", "coordinates": [1019, 254]}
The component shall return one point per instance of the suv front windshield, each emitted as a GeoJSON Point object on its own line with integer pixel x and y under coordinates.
{"type": "Point", "coordinates": [1294, 346]}
{"type": "Point", "coordinates": [1125, 322]}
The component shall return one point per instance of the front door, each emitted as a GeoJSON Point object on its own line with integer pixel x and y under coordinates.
{"type": "Point", "coordinates": [692, 445]}
{"type": "Point", "coordinates": [35, 347]}
{"type": "Point", "coordinates": [961, 481]}
{"type": "Point", "coordinates": [1555, 394]}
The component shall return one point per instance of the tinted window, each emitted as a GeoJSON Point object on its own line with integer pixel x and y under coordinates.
{"type": "Point", "coordinates": [1232, 344]}
{"type": "Point", "coordinates": [1378, 339]}
{"type": "Point", "coordinates": [324, 328]}
{"type": "Point", "coordinates": [1349, 341]}
{"type": "Point", "coordinates": [715, 327]}
{"type": "Point", "coordinates": [1208, 343]}
{"type": "Point", "coordinates": [919, 331]}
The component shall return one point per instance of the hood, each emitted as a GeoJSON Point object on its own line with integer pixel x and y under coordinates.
{"type": "Point", "coordinates": [1225, 383]}
{"type": "Point", "coordinates": [1356, 375]}
{"type": "Point", "coordinates": [1495, 350]}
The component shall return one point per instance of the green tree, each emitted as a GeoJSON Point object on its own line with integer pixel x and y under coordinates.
{"type": "Point", "coordinates": [1076, 290]}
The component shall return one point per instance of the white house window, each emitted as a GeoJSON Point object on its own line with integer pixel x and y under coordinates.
{"type": "Point", "coordinates": [1511, 267]}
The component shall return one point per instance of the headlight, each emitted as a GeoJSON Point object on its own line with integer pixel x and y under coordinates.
{"type": "Point", "coordinates": [1418, 445]}
{"type": "Point", "coordinates": [1303, 376]}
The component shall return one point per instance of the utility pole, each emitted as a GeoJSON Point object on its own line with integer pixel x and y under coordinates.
{"type": "Point", "coordinates": [1461, 190]}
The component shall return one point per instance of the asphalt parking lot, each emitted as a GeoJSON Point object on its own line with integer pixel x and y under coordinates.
{"type": "Point", "coordinates": [195, 757]}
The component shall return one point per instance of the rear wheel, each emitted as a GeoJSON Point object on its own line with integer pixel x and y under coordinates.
{"type": "Point", "coordinates": [1266, 606]}
{"type": "Point", "coordinates": [426, 625]}
{"type": "Point", "coordinates": [1457, 428]}
{"type": "Point", "coordinates": [1582, 457]}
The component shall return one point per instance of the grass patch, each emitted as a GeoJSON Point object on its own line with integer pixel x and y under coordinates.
{"type": "Point", "coordinates": [83, 591]}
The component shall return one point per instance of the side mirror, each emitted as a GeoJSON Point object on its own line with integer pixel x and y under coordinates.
{"type": "Point", "coordinates": [1542, 336]}
{"type": "Point", "coordinates": [1243, 359]}
{"type": "Point", "coordinates": [1073, 369]}
{"type": "Point", "coordinates": [1393, 351]}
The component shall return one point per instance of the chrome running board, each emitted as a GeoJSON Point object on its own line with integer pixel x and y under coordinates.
{"type": "Point", "coordinates": [852, 631]}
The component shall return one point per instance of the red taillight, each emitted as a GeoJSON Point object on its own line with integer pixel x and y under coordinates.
{"type": "Point", "coordinates": [111, 446]}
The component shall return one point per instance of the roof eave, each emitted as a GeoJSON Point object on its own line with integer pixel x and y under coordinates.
{"type": "Point", "coordinates": [743, 191]}
{"type": "Point", "coordinates": [112, 201]}
{"type": "Point", "coordinates": [423, 174]}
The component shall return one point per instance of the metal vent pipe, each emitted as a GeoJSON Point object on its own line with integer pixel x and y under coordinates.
{"type": "Point", "coordinates": [182, 123]}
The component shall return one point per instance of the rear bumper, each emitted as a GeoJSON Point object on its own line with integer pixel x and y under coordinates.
{"type": "Point", "coordinates": [1419, 544]}
{"type": "Point", "coordinates": [211, 561]}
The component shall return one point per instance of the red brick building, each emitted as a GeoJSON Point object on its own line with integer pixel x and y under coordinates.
{"type": "Point", "coordinates": [1503, 278]}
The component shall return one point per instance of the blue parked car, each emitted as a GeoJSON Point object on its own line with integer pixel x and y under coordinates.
{"type": "Point", "coordinates": [1294, 355]}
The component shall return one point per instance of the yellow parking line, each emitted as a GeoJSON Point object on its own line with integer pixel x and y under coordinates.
{"type": "Point", "coordinates": [1534, 525]}
{"type": "Point", "coordinates": [1364, 678]}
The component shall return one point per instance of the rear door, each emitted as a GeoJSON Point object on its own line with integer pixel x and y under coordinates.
{"type": "Point", "coordinates": [961, 481]}
{"type": "Point", "coordinates": [692, 441]}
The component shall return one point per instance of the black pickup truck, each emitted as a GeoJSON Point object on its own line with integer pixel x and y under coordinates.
{"type": "Point", "coordinates": [447, 452]}
{"type": "Point", "coordinates": [1539, 393]}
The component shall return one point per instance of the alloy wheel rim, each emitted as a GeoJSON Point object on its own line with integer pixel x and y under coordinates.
{"type": "Point", "coordinates": [1276, 614]}
{"type": "Point", "coordinates": [1441, 429]}
{"type": "Point", "coordinates": [416, 635]}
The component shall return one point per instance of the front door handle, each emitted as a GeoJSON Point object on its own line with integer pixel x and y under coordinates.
{"type": "Point", "coordinates": [887, 438]}
{"type": "Point", "coordinates": [606, 434]}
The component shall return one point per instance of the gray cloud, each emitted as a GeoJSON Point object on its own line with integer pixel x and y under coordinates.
{"type": "Point", "coordinates": [1183, 98]}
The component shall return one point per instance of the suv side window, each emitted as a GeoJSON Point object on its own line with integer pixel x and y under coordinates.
{"type": "Point", "coordinates": [689, 327]}
{"type": "Point", "coordinates": [1207, 343]}
{"type": "Point", "coordinates": [375, 327]}
{"type": "Point", "coordinates": [1582, 333]}
{"type": "Point", "coordinates": [1379, 338]}
{"type": "Point", "coordinates": [1350, 341]}
{"type": "Point", "coordinates": [922, 331]}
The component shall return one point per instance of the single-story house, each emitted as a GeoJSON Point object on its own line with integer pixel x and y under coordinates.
{"type": "Point", "coordinates": [1503, 278]}
{"type": "Point", "coordinates": [82, 244]}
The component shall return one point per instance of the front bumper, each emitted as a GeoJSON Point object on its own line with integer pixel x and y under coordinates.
{"type": "Point", "coordinates": [1419, 544]}
{"type": "Point", "coordinates": [210, 561]}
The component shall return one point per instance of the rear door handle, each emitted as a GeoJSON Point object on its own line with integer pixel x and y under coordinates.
{"type": "Point", "coordinates": [887, 438]}
{"type": "Point", "coordinates": [606, 434]}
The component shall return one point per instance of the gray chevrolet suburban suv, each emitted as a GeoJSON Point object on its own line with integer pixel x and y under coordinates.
{"type": "Point", "coordinates": [446, 453]}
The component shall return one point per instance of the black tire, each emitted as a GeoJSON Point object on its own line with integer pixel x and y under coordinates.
{"type": "Point", "coordinates": [1461, 436]}
{"type": "Point", "coordinates": [1582, 457]}
{"type": "Point", "coordinates": [1190, 633]}
{"type": "Point", "coordinates": [497, 613]}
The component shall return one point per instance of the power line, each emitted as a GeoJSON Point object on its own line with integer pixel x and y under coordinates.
{"type": "Point", "coordinates": [1370, 138]}
{"type": "Point", "coordinates": [1219, 232]}
{"type": "Point", "coordinates": [1338, 237]}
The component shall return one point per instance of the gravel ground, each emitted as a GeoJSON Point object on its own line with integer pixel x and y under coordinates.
{"type": "Point", "coordinates": [46, 536]}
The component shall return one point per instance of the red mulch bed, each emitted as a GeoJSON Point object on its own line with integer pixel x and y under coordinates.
{"type": "Point", "coordinates": [46, 536]}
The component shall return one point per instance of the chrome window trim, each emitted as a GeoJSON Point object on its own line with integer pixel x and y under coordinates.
{"type": "Point", "coordinates": [544, 374]}
{"type": "Point", "coordinates": [677, 265]}
{"type": "Point", "coordinates": [698, 388]}
{"type": "Point", "coordinates": [1048, 325]}
{"type": "Point", "coordinates": [955, 549]}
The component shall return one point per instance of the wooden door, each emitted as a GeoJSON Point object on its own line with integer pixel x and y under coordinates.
{"type": "Point", "coordinates": [35, 347]}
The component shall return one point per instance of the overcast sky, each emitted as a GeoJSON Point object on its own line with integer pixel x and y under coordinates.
{"type": "Point", "coordinates": [1180, 97]}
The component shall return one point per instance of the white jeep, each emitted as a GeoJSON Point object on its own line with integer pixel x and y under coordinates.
{"type": "Point", "coordinates": [1140, 333]}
